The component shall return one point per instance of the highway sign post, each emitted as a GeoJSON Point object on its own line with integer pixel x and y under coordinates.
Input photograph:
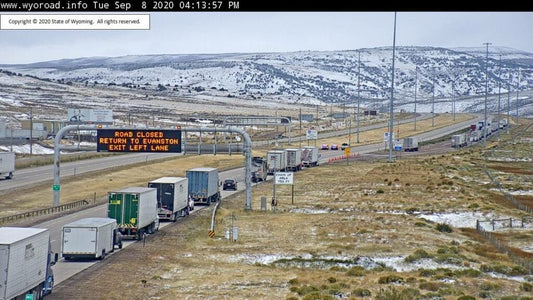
{"type": "Point", "coordinates": [347, 151]}
{"type": "Point", "coordinates": [285, 178]}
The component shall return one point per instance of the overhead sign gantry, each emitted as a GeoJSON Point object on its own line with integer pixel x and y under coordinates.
{"type": "Point", "coordinates": [134, 140]}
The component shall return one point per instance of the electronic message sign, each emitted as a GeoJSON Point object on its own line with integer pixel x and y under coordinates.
{"type": "Point", "coordinates": [133, 140]}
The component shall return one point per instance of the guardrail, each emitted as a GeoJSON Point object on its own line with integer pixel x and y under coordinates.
{"type": "Point", "coordinates": [43, 211]}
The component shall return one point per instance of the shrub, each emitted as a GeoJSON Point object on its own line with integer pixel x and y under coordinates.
{"type": "Point", "coordinates": [420, 224]}
{"type": "Point", "coordinates": [393, 294]}
{"type": "Point", "coordinates": [430, 286]}
{"type": "Point", "coordinates": [427, 273]}
{"type": "Point", "coordinates": [468, 273]}
{"type": "Point", "coordinates": [419, 254]}
{"type": "Point", "coordinates": [306, 289]}
{"type": "Point", "coordinates": [380, 191]}
{"type": "Point", "coordinates": [293, 281]}
{"type": "Point", "coordinates": [526, 287]}
{"type": "Point", "coordinates": [360, 292]}
{"type": "Point", "coordinates": [390, 279]}
{"type": "Point", "coordinates": [441, 227]}
{"type": "Point", "coordinates": [332, 279]}
{"type": "Point", "coordinates": [466, 297]}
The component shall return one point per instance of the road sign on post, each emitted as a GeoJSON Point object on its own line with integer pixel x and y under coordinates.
{"type": "Point", "coordinates": [56, 187]}
{"type": "Point", "coordinates": [284, 177]}
{"type": "Point", "coordinates": [138, 140]}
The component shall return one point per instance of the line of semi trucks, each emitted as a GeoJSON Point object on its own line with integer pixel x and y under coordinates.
{"type": "Point", "coordinates": [461, 140]}
{"type": "Point", "coordinates": [26, 256]}
{"type": "Point", "coordinates": [291, 159]}
{"type": "Point", "coordinates": [477, 132]}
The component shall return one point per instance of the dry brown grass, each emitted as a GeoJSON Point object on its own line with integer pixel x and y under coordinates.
{"type": "Point", "coordinates": [338, 213]}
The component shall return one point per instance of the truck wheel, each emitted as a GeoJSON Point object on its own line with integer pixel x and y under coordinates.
{"type": "Point", "coordinates": [120, 245]}
{"type": "Point", "coordinates": [103, 255]}
{"type": "Point", "coordinates": [140, 235]}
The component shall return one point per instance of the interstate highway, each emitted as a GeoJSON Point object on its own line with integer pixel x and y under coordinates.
{"type": "Point", "coordinates": [63, 270]}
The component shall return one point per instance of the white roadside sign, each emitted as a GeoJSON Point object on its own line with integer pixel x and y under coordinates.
{"type": "Point", "coordinates": [284, 178]}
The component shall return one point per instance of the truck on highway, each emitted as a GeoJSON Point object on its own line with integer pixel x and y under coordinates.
{"type": "Point", "coordinates": [410, 144]}
{"type": "Point", "coordinates": [90, 238]}
{"type": "Point", "coordinates": [135, 210]}
{"type": "Point", "coordinates": [459, 140]}
{"type": "Point", "coordinates": [476, 135]}
{"type": "Point", "coordinates": [7, 164]}
{"type": "Point", "coordinates": [172, 197]}
{"type": "Point", "coordinates": [26, 262]}
{"type": "Point", "coordinates": [294, 159]}
{"type": "Point", "coordinates": [259, 169]}
{"type": "Point", "coordinates": [276, 161]}
{"type": "Point", "coordinates": [203, 185]}
{"type": "Point", "coordinates": [309, 156]}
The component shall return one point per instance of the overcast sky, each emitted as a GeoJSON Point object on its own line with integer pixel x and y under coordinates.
{"type": "Point", "coordinates": [224, 32]}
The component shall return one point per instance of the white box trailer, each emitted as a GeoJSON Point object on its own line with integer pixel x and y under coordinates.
{"type": "Point", "coordinates": [7, 164]}
{"type": "Point", "coordinates": [294, 159]}
{"type": "Point", "coordinates": [25, 263]}
{"type": "Point", "coordinates": [276, 160]}
{"type": "Point", "coordinates": [410, 144]}
{"type": "Point", "coordinates": [309, 156]}
{"type": "Point", "coordinates": [172, 197]}
{"type": "Point", "coordinates": [459, 140]}
{"type": "Point", "coordinates": [90, 238]}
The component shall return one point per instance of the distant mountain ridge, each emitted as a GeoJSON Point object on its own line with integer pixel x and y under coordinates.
{"type": "Point", "coordinates": [305, 76]}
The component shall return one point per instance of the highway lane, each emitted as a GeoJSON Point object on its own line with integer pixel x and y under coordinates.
{"type": "Point", "coordinates": [31, 176]}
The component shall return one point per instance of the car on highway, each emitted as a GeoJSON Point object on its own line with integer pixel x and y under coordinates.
{"type": "Point", "coordinates": [230, 184]}
{"type": "Point", "coordinates": [334, 147]}
{"type": "Point", "coordinates": [324, 147]}
{"type": "Point", "coordinates": [344, 146]}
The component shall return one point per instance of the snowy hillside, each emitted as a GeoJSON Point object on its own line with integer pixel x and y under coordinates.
{"type": "Point", "coordinates": [309, 76]}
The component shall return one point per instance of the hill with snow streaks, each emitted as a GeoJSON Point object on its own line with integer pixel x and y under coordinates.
{"type": "Point", "coordinates": [312, 76]}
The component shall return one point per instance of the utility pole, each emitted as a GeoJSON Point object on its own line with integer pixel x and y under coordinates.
{"type": "Point", "coordinates": [433, 102]}
{"type": "Point", "coordinates": [358, 91]}
{"type": "Point", "coordinates": [31, 131]}
{"type": "Point", "coordinates": [416, 87]}
{"type": "Point", "coordinates": [300, 118]}
{"type": "Point", "coordinates": [485, 125]}
{"type": "Point", "coordinates": [391, 109]}
{"type": "Point", "coordinates": [453, 98]}
{"type": "Point", "coordinates": [499, 94]}
{"type": "Point", "coordinates": [509, 101]}
{"type": "Point", "coordinates": [517, 90]}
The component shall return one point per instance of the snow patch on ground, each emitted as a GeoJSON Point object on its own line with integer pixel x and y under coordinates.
{"type": "Point", "coordinates": [24, 149]}
{"type": "Point", "coordinates": [459, 219]}
{"type": "Point", "coordinates": [399, 265]}
{"type": "Point", "coordinates": [309, 211]}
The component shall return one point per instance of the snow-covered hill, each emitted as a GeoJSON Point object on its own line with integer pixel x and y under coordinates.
{"type": "Point", "coordinates": [310, 76]}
